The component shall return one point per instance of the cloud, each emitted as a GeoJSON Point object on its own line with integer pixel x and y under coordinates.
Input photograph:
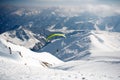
{"type": "Point", "coordinates": [99, 7]}
{"type": "Point", "coordinates": [61, 2]}
{"type": "Point", "coordinates": [101, 10]}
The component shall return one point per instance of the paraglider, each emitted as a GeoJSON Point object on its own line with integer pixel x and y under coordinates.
{"type": "Point", "coordinates": [54, 35]}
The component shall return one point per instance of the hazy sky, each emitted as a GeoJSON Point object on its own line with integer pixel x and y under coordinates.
{"type": "Point", "coordinates": [59, 2]}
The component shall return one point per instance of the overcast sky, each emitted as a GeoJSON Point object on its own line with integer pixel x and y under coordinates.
{"type": "Point", "coordinates": [100, 7]}
{"type": "Point", "coordinates": [60, 2]}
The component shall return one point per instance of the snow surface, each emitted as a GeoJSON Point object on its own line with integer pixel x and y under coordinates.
{"type": "Point", "coordinates": [28, 43]}
{"type": "Point", "coordinates": [102, 64]}
{"type": "Point", "coordinates": [105, 44]}
{"type": "Point", "coordinates": [30, 57]}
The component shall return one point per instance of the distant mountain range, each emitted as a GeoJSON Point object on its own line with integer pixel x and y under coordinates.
{"type": "Point", "coordinates": [29, 27]}
{"type": "Point", "coordinates": [39, 19]}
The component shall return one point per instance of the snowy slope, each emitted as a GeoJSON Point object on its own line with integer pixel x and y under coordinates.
{"type": "Point", "coordinates": [103, 63]}
{"type": "Point", "coordinates": [22, 36]}
{"type": "Point", "coordinates": [93, 69]}
{"type": "Point", "coordinates": [105, 43]}
{"type": "Point", "coordinates": [28, 57]}
{"type": "Point", "coordinates": [85, 44]}
{"type": "Point", "coordinates": [29, 67]}
{"type": "Point", "coordinates": [73, 47]}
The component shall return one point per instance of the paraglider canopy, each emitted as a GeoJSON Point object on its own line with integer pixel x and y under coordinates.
{"type": "Point", "coordinates": [54, 35]}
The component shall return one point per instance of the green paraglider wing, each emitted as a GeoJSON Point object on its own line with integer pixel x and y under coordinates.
{"type": "Point", "coordinates": [53, 35]}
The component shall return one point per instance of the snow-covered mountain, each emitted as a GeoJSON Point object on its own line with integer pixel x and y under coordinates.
{"type": "Point", "coordinates": [91, 49]}
{"type": "Point", "coordinates": [83, 44]}
{"type": "Point", "coordinates": [31, 30]}
{"type": "Point", "coordinates": [42, 18]}
{"type": "Point", "coordinates": [20, 54]}
{"type": "Point", "coordinates": [18, 62]}
{"type": "Point", "coordinates": [41, 22]}
{"type": "Point", "coordinates": [24, 37]}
